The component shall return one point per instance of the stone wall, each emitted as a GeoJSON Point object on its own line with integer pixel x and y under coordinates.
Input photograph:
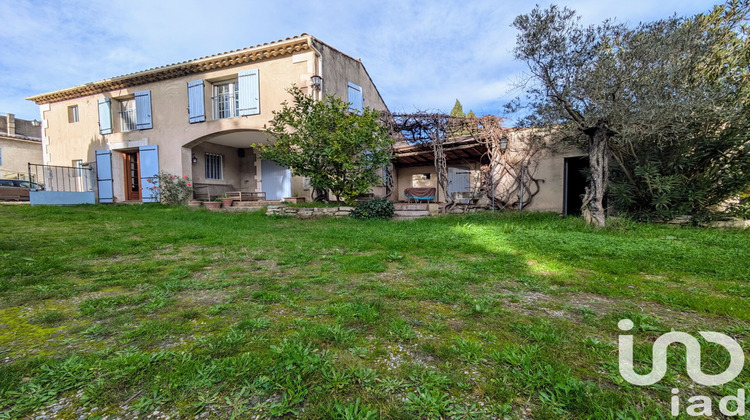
{"type": "Point", "coordinates": [309, 212]}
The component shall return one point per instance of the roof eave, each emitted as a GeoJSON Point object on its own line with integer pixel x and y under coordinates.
{"type": "Point", "coordinates": [228, 59]}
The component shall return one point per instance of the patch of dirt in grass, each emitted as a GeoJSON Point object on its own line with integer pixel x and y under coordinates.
{"type": "Point", "coordinates": [529, 304]}
{"type": "Point", "coordinates": [76, 300]}
{"type": "Point", "coordinates": [601, 305]}
{"type": "Point", "coordinates": [193, 298]}
{"type": "Point", "coordinates": [455, 324]}
{"type": "Point", "coordinates": [398, 354]}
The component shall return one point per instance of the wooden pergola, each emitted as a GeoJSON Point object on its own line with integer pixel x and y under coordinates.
{"type": "Point", "coordinates": [459, 150]}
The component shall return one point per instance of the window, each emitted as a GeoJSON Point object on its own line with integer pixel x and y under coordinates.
{"type": "Point", "coordinates": [226, 100]}
{"type": "Point", "coordinates": [214, 166]}
{"type": "Point", "coordinates": [127, 115]}
{"type": "Point", "coordinates": [134, 112]}
{"type": "Point", "coordinates": [73, 114]}
{"type": "Point", "coordinates": [1, 157]}
{"type": "Point", "coordinates": [232, 98]}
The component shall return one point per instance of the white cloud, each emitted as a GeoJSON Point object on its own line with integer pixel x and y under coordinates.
{"type": "Point", "coordinates": [420, 54]}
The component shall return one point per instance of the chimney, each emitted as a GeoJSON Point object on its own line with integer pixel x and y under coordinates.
{"type": "Point", "coordinates": [11, 126]}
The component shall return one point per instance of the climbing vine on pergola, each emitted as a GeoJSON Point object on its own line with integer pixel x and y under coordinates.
{"type": "Point", "coordinates": [508, 180]}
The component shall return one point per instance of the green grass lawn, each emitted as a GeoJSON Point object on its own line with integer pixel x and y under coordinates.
{"type": "Point", "coordinates": [126, 310]}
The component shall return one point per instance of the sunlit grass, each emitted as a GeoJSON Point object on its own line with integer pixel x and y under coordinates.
{"type": "Point", "coordinates": [238, 314]}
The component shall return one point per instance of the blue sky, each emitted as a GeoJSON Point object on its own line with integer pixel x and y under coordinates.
{"type": "Point", "coordinates": [420, 54]}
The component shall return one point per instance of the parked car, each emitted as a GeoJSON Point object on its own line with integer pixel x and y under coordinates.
{"type": "Point", "coordinates": [17, 189]}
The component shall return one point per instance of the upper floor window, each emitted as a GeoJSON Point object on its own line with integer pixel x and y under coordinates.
{"type": "Point", "coordinates": [127, 115]}
{"type": "Point", "coordinates": [134, 113]}
{"type": "Point", "coordinates": [226, 100]}
{"type": "Point", "coordinates": [73, 114]}
{"type": "Point", "coordinates": [229, 98]}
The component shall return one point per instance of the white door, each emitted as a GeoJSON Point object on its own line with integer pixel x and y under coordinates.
{"type": "Point", "coordinates": [276, 180]}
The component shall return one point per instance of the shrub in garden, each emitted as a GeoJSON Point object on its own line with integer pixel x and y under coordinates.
{"type": "Point", "coordinates": [374, 209]}
{"type": "Point", "coordinates": [171, 189]}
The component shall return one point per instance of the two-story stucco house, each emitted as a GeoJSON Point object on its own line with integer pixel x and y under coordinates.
{"type": "Point", "coordinates": [198, 118]}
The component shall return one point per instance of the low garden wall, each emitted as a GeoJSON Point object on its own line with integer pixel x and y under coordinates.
{"type": "Point", "coordinates": [309, 212]}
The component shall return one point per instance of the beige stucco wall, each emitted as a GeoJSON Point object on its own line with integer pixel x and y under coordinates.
{"type": "Point", "coordinates": [177, 139]}
{"type": "Point", "coordinates": [551, 171]}
{"type": "Point", "coordinates": [17, 154]}
{"type": "Point", "coordinates": [338, 69]}
{"type": "Point", "coordinates": [405, 178]}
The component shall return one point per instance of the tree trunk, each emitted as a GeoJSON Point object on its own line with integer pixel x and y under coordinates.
{"type": "Point", "coordinates": [593, 200]}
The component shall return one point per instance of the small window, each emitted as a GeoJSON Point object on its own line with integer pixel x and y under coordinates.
{"type": "Point", "coordinates": [73, 114]}
{"type": "Point", "coordinates": [1, 157]}
{"type": "Point", "coordinates": [226, 100]}
{"type": "Point", "coordinates": [127, 115]}
{"type": "Point", "coordinates": [214, 166]}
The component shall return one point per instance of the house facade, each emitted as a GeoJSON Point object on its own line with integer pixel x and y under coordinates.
{"type": "Point", "coordinates": [20, 144]}
{"type": "Point", "coordinates": [198, 118]}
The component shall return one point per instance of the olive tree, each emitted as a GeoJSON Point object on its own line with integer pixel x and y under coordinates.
{"type": "Point", "coordinates": [665, 101]}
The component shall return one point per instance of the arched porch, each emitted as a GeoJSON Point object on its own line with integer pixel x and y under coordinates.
{"type": "Point", "coordinates": [226, 162]}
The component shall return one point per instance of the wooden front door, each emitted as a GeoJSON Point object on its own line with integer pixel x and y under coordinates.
{"type": "Point", "coordinates": [132, 176]}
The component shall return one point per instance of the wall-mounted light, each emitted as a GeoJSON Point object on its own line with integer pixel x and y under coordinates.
{"type": "Point", "coordinates": [35, 123]}
{"type": "Point", "coordinates": [503, 143]}
{"type": "Point", "coordinates": [317, 82]}
{"type": "Point", "coordinates": [194, 160]}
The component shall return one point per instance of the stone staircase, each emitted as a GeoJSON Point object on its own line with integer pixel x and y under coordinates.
{"type": "Point", "coordinates": [251, 205]}
{"type": "Point", "coordinates": [411, 211]}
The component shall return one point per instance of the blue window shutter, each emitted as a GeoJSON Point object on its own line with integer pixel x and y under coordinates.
{"type": "Point", "coordinates": [143, 110]}
{"type": "Point", "coordinates": [149, 158]}
{"type": "Point", "coordinates": [355, 97]}
{"type": "Point", "coordinates": [104, 176]}
{"type": "Point", "coordinates": [249, 92]}
{"type": "Point", "coordinates": [196, 104]}
{"type": "Point", "coordinates": [105, 116]}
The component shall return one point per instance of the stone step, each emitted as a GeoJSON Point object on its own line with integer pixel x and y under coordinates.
{"type": "Point", "coordinates": [410, 206]}
{"type": "Point", "coordinates": [253, 204]}
{"type": "Point", "coordinates": [411, 213]}
{"type": "Point", "coordinates": [401, 218]}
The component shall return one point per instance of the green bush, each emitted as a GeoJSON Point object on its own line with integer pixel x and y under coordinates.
{"type": "Point", "coordinates": [374, 209]}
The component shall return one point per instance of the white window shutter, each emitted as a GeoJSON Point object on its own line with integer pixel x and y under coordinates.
{"type": "Point", "coordinates": [248, 82]}
{"type": "Point", "coordinates": [105, 116]}
{"type": "Point", "coordinates": [143, 110]}
{"type": "Point", "coordinates": [196, 104]}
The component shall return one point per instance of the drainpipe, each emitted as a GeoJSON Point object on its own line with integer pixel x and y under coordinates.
{"type": "Point", "coordinates": [11, 124]}
{"type": "Point", "coordinates": [319, 69]}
